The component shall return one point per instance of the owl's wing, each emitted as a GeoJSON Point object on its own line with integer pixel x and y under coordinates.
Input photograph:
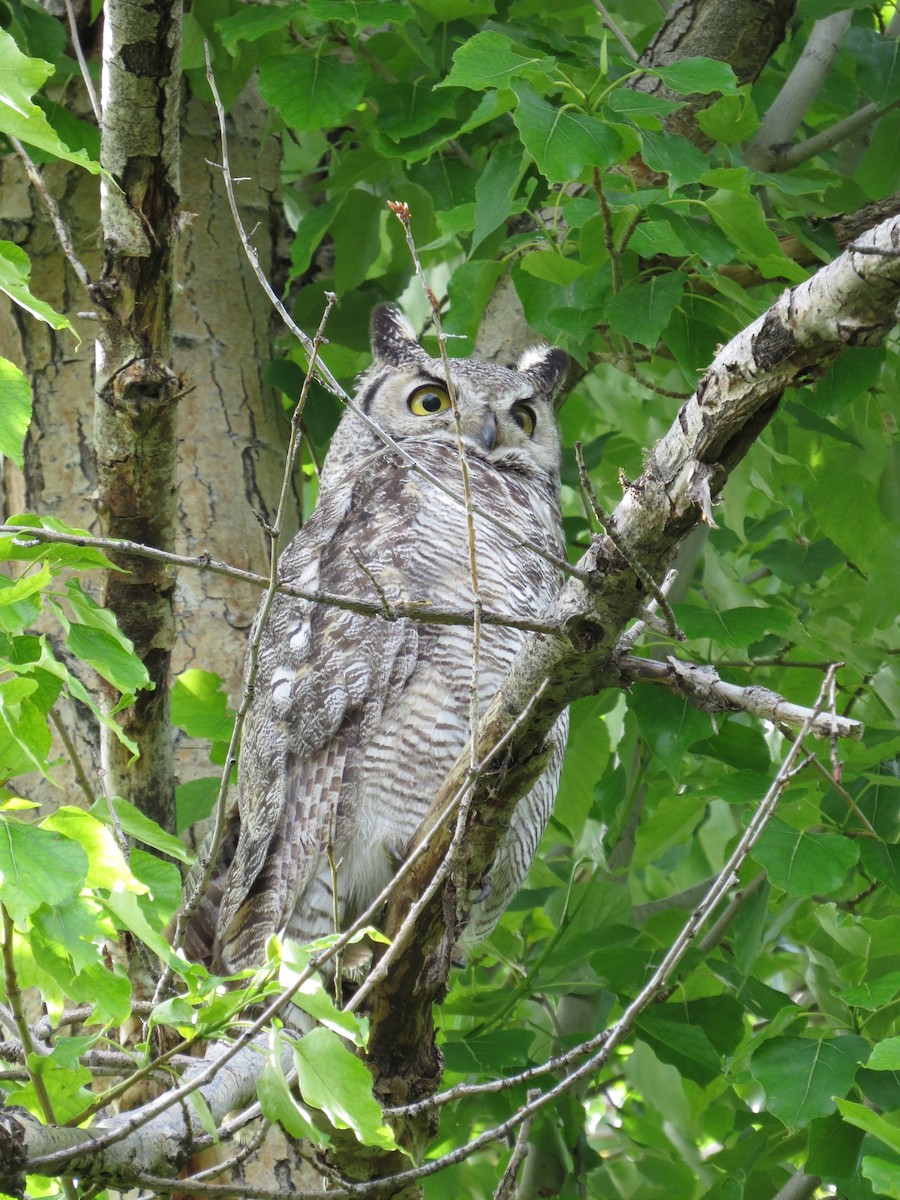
{"type": "Point", "coordinates": [325, 675]}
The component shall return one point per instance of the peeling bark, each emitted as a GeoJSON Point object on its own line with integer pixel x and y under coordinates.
{"type": "Point", "coordinates": [136, 386]}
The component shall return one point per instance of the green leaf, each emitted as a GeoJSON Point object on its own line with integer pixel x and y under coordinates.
{"type": "Point", "coordinates": [312, 91]}
{"type": "Point", "coordinates": [562, 141]}
{"type": "Point", "coordinates": [803, 1077]}
{"type": "Point", "coordinates": [142, 828]}
{"type": "Point", "coordinates": [730, 120]}
{"type": "Point", "coordinates": [76, 925]}
{"type": "Point", "coordinates": [194, 800]}
{"type": "Point", "coordinates": [15, 408]}
{"type": "Point", "coordinates": [67, 1089]}
{"type": "Point", "coordinates": [204, 1114]}
{"type": "Point", "coordinates": [15, 272]}
{"type": "Point", "coordinates": [804, 864]}
{"type": "Point", "coordinates": [741, 218]}
{"type": "Point", "coordinates": [363, 14]}
{"type": "Point", "coordinates": [159, 886]}
{"type": "Point", "coordinates": [333, 1079]}
{"type": "Point", "coordinates": [882, 861]}
{"type": "Point", "coordinates": [674, 156]}
{"type": "Point", "coordinates": [833, 1147]}
{"type": "Point", "coordinates": [280, 1105]}
{"type": "Point", "coordinates": [24, 737]}
{"type": "Point", "coordinates": [697, 75]}
{"type": "Point", "coordinates": [20, 117]}
{"type": "Point", "coordinates": [871, 1122]}
{"type": "Point", "coordinates": [495, 189]}
{"type": "Point", "coordinates": [883, 1175]}
{"type": "Point", "coordinates": [129, 915]}
{"type": "Point", "coordinates": [872, 995]}
{"type": "Point", "coordinates": [312, 997]}
{"type": "Point", "coordinates": [669, 724]}
{"type": "Point", "coordinates": [886, 1055]}
{"type": "Point", "coordinates": [544, 264]}
{"type": "Point", "coordinates": [683, 1046]}
{"type": "Point", "coordinates": [733, 628]}
{"type": "Point", "coordinates": [643, 310]}
{"type": "Point", "coordinates": [251, 23]}
{"type": "Point", "coordinates": [842, 492]}
{"type": "Point", "coordinates": [37, 866]}
{"type": "Point", "coordinates": [200, 706]}
{"type": "Point", "coordinates": [107, 867]}
{"type": "Point", "coordinates": [877, 64]}
{"type": "Point", "coordinates": [488, 60]}
{"type": "Point", "coordinates": [95, 637]}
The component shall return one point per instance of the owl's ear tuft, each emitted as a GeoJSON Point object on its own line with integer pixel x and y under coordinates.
{"type": "Point", "coordinates": [393, 337]}
{"type": "Point", "coordinates": [546, 365]}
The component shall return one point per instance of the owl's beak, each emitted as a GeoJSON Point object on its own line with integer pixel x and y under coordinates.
{"type": "Point", "coordinates": [484, 434]}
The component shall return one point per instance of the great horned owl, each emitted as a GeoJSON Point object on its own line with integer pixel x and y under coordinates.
{"type": "Point", "coordinates": [355, 720]}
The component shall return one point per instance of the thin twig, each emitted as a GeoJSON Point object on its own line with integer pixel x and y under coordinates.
{"type": "Point", "coordinates": [421, 612]}
{"type": "Point", "coordinates": [72, 753]}
{"type": "Point", "coordinates": [615, 30]}
{"type": "Point", "coordinates": [506, 1187]}
{"type": "Point", "coordinates": [82, 62]}
{"type": "Point", "coordinates": [59, 225]}
{"type": "Point", "coordinates": [703, 687]}
{"type": "Point", "coordinates": [402, 213]}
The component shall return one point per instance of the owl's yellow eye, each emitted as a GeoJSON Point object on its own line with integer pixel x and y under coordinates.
{"type": "Point", "coordinates": [427, 400]}
{"type": "Point", "coordinates": [525, 418]}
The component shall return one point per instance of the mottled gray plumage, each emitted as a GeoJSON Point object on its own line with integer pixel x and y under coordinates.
{"type": "Point", "coordinates": [355, 720]}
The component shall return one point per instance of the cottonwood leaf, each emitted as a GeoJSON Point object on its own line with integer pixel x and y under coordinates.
{"type": "Point", "coordinates": [804, 864]}
{"type": "Point", "coordinates": [886, 1055]}
{"type": "Point", "coordinates": [333, 1079]}
{"type": "Point", "coordinates": [20, 117]}
{"type": "Point", "coordinates": [281, 1106]}
{"type": "Point", "coordinates": [142, 828]}
{"type": "Point", "coordinates": [312, 91]}
{"type": "Point", "coordinates": [642, 311]}
{"type": "Point", "coordinates": [37, 866]}
{"type": "Point", "coordinates": [15, 410]}
{"type": "Point", "coordinates": [93, 635]}
{"type": "Point", "coordinates": [703, 75]}
{"type": "Point", "coordinates": [871, 1122]}
{"type": "Point", "coordinates": [488, 60]}
{"type": "Point", "coordinates": [15, 273]}
{"type": "Point", "coordinates": [803, 1077]}
{"type": "Point", "coordinates": [107, 867]}
{"type": "Point", "coordinates": [562, 141]}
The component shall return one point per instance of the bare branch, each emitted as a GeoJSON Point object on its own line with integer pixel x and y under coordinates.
{"type": "Point", "coordinates": [59, 225]}
{"type": "Point", "coordinates": [82, 62]}
{"type": "Point", "coordinates": [424, 613]}
{"type": "Point", "coordinates": [706, 690]}
{"type": "Point", "coordinates": [786, 113]}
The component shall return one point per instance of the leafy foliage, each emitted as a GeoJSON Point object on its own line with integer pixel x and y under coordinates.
{"type": "Point", "coordinates": [527, 156]}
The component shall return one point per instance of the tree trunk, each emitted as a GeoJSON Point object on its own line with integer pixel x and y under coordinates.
{"type": "Point", "coordinates": [231, 429]}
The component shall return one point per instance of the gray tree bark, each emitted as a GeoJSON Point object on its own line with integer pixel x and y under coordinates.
{"type": "Point", "coordinates": [231, 430]}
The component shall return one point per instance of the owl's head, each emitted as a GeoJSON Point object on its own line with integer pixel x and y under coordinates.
{"type": "Point", "coordinates": [506, 414]}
